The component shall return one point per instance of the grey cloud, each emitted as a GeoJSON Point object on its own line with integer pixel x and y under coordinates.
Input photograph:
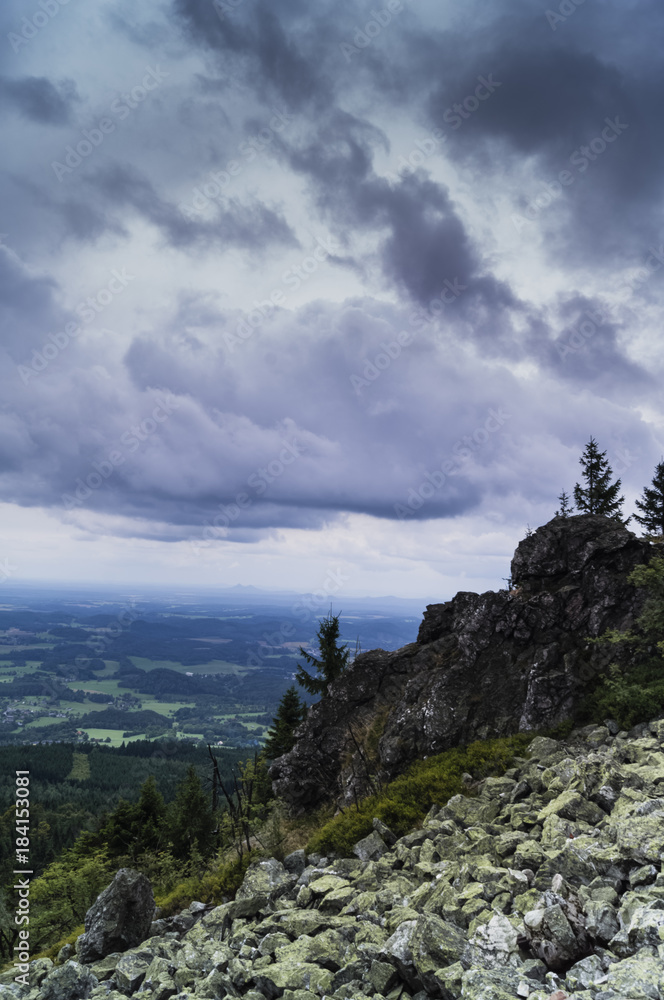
{"type": "Point", "coordinates": [251, 225]}
{"type": "Point", "coordinates": [28, 304]}
{"type": "Point", "coordinates": [36, 98]}
{"type": "Point", "coordinates": [281, 62]}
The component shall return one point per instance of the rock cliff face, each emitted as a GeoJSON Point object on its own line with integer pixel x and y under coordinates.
{"type": "Point", "coordinates": [483, 665]}
{"type": "Point", "coordinates": [546, 884]}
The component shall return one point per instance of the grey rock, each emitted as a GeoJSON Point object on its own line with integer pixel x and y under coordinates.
{"type": "Point", "coordinates": [370, 848]}
{"type": "Point", "coordinates": [518, 664]}
{"type": "Point", "coordinates": [65, 953]}
{"type": "Point", "coordinates": [119, 919]}
{"type": "Point", "coordinates": [295, 862]}
{"type": "Point", "coordinates": [384, 832]}
{"type": "Point", "coordinates": [71, 981]}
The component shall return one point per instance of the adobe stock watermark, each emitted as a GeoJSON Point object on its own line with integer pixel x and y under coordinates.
{"type": "Point", "coordinates": [580, 159]}
{"type": "Point", "coordinates": [593, 319]}
{"type": "Point", "coordinates": [295, 276]}
{"type": "Point", "coordinates": [94, 137]}
{"type": "Point", "coordinates": [462, 450]}
{"type": "Point", "coordinates": [88, 309]}
{"type": "Point", "coordinates": [311, 604]}
{"type": "Point", "coordinates": [373, 367]}
{"type": "Point", "coordinates": [32, 25]}
{"type": "Point", "coordinates": [564, 12]}
{"type": "Point", "coordinates": [130, 441]}
{"type": "Point", "coordinates": [258, 482]}
{"type": "Point", "coordinates": [305, 609]}
{"type": "Point", "coordinates": [454, 116]}
{"type": "Point", "coordinates": [214, 187]}
{"type": "Point", "coordinates": [461, 111]}
{"type": "Point", "coordinates": [7, 570]}
{"type": "Point", "coordinates": [421, 151]}
{"type": "Point", "coordinates": [365, 34]}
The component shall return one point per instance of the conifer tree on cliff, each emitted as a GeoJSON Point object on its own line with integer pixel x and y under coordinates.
{"type": "Point", "coordinates": [331, 662]}
{"type": "Point", "coordinates": [290, 714]}
{"type": "Point", "coordinates": [566, 507]}
{"type": "Point", "coordinates": [651, 504]}
{"type": "Point", "coordinates": [600, 495]}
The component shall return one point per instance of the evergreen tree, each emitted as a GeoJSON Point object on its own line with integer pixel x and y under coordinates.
{"type": "Point", "coordinates": [331, 662]}
{"type": "Point", "coordinates": [599, 496]}
{"type": "Point", "coordinates": [651, 504]}
{"type": "Point", "coordinates": [290, 714]}
{"type": "Point", "coordinates": [191, 818]}
{"type": "Point", "coordinates": [151, 816]}
{"type": "Point", "coordinates": [566, 507]}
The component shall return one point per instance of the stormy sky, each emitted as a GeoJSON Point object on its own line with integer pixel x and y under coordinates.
{"type": "Point", "coordinates": [322, 296]}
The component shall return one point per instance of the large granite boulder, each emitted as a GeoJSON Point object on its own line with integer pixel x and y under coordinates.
{"type": "Point", "coordinates": [119, 919]}
{"type": "Point", "coordinates": [483, 665]}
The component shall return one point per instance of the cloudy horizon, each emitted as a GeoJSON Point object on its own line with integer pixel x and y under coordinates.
{"type": "Point", "coordinates": [293, 290]}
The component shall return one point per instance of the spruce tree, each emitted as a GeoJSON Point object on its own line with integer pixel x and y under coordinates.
{"type": "Point", "coordinates": [151, 816]}
{"type": "Point", "coordinates": [566, 507]}
{"type": "Point", "coordinates": [331, 662]}
{"type": "Point", "coordinates": [651, 504]}
{"type": "Point", "coordinates": [599, 496]}
{"type": "Point", "coordinates": [290, 714]}
{"type": "Point", "coordinates": [191, 818]}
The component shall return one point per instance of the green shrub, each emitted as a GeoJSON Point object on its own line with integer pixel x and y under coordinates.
{"type": "Point", "coordinates": [218, 882]}
{"type": "Point", "coordinates": [62, 895]}
{"type": "Point", "coordinates": [404, 803]}
{"type": "Point", "coordinates": [628, 696]}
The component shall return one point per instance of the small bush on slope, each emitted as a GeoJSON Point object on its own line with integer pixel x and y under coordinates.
{"type": "Point", "coordinates": [404, 803]}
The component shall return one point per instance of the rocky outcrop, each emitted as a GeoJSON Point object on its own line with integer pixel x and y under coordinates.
{"type": "Point", "coordinates": [548, 883]}
{"type": "Point", "coordinates": [120, 918]}
{"type": "Point", "coordinates": [483, 665]}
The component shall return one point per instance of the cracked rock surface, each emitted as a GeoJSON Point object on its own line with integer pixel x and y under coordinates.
{"type": "Point", "coordinates": [483, 665]}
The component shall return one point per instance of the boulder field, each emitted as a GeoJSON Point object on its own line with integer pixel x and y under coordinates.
{"type": "Point", "coordinates": [546, 883]}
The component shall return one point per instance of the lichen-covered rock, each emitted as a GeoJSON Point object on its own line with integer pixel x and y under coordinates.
{"type": "Point", "coordinates": [494, 945]}
{"type": "Point", "coordinates": [435, 943]}
{"type": "Point", "coordinates": [371, 847]}
{"type": "Point", "coordinates": [119, 919]}
{"type": "Point", "coordinates": [72, 980]}
{"type": "Point", "coordinates": [491, 984]}
{"type": "Point", "coordinates": [556, 931]}
{"type": "Point", "coordinates": [280, 976]}
{"type": "Point", "coordinates": [265, 880]}
{"type": "Point", "coordinates": [640, 977]}
{"type": "Point", "coordinates": [641, 919]}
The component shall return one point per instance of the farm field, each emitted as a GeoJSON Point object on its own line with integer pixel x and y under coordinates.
{"type": "Point", "coordinates": [211, 667]}
{"type": "Point", "coordinates": [114, 736]}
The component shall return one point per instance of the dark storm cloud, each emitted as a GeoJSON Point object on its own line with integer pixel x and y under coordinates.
{"type": "Point", "coordinates": [576, 100]}
{"type": "Point", "coordinates": [38, 99]}
{"type": "Point", "coordinates": [319, 412]}
{"type": "Point", "coordinates": [588, 349]}
{"type": "Point", "coordinates": [423, 240]}
{"type": "Point", "coordinates": [281, 59]}
{"type": "Point", "coordinates": [357, 405]}
{"type": "Point", "coordinates": [424, 249]}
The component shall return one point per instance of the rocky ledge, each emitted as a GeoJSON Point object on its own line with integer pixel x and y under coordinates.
{"type": "Point", "coordinates": [547, 883]}
{"type": "Point", "coordinates": [483, 665]}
